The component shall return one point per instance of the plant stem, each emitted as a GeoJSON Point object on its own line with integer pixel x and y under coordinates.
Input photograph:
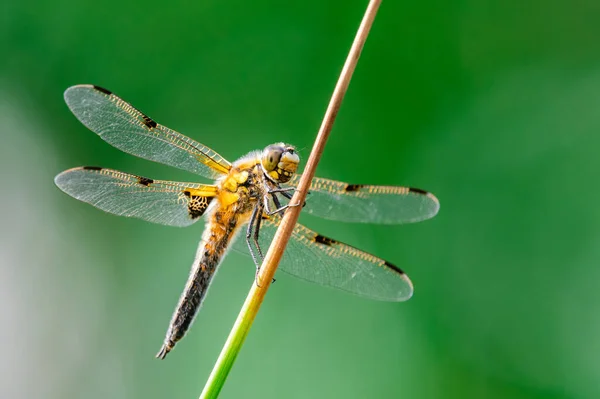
{"type": "Point", "coordinates": [267, 272]}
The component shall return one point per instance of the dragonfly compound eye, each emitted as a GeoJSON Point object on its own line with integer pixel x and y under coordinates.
{"type": "Point", "coordinates": [271, 157]}
{"type": "Point", "coordinates": [280, 162]}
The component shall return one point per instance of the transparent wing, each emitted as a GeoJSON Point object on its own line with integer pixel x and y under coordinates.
{"type": "Point", "coordinates": [313, 257]}
{"type": "Point", "coordinates": [126, 128]}
{"type": "Point", "coordinates": [357, 203]}
{"type": "Point", "coordinates": [119, 193]}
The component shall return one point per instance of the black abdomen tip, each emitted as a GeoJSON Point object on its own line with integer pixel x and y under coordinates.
{"type": "Point", "coordinates": [164, 350]}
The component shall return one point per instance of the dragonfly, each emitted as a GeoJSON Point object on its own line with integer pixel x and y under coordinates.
{"type": "Point", "coordinates": [248, 196]}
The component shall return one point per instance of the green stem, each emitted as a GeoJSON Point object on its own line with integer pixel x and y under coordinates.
{"type": "Point", "coordinates": [267, 272]}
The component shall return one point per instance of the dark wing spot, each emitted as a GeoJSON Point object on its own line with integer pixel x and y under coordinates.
{"type": "Point", "coordinates": [150, 124]}
{"type": "Point", "coordinates": [187, 193]}
{"type": "Point", "coordinates": [324, 240]}
{"type": "Point", "coordinates": [354, 187]}
{"type": "Point", "coordinates": [194, 213]}
{"type": "Point", "coordinates": [197, 205]}
{"type": "Point", "coordinates": [417, 190]}
{"type": "Point", "coordinates": [393, 267]}
{"type": "Point", "coordinates": [102, 90]}
{"type": "Point", "coordinates": [92, 168]}
{"type": "Point", "coordinates": [144, 181]}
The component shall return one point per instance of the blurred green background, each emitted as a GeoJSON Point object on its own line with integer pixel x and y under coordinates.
{"type": "Point", "coordinates": [494, 106]}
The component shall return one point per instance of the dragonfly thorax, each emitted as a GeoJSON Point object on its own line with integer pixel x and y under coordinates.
{"type": "Point", "coordinates": [279, 162]}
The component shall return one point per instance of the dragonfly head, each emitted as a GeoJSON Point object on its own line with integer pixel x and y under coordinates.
{"type": "Point", "coordinates": [279, 162]}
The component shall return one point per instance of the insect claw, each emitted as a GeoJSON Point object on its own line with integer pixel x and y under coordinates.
{"type": "Point", "coordinates": [256, 279]}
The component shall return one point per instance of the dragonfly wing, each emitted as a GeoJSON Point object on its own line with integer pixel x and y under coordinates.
{"type": "Point", "coordinates": [126, 128]}
{"type": "Point", "coordinates": [357, 203]}
{"type": "Point", "coordinates": [123, 194]}
{"type": "Point", "coordinates": [318, 259]}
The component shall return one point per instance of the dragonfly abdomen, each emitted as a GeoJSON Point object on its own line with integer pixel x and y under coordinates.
{"type": "Point", "coordinates": [217, 236]}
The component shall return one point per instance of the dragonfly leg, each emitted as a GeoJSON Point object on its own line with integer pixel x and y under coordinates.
{"type": "Point", "coordinates": [289, 196]}
{"type": "Point", "coordinates": [280, 209]}
{"type": "Point", "coordinates": [257, 232]}
{"type": "Point", "coordinates": [250, 232]}
{"type": "Point", "coordinates": [266, 204]}
{"type": "Point", "coordinates": [285, 192]}
{"type": "Point", "coordinates": [256, 235]}
{"type": "Point", "coordinates": [253, 232]}
{"type": "Point", "coordinates": [273, 193]}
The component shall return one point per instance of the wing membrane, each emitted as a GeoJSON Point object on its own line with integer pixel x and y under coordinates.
{"type": "Point", "coordinates": [123, 194]}
{"type": "Point", "coordinates": [126, 128]}
{"type": "Point", "coordinates": [356, 203]}
{"type": "Point", "coordinates": [318, 259]}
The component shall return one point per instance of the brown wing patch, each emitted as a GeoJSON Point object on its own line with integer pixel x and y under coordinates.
{"type": "Point", "coordinates": [197, 204]}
